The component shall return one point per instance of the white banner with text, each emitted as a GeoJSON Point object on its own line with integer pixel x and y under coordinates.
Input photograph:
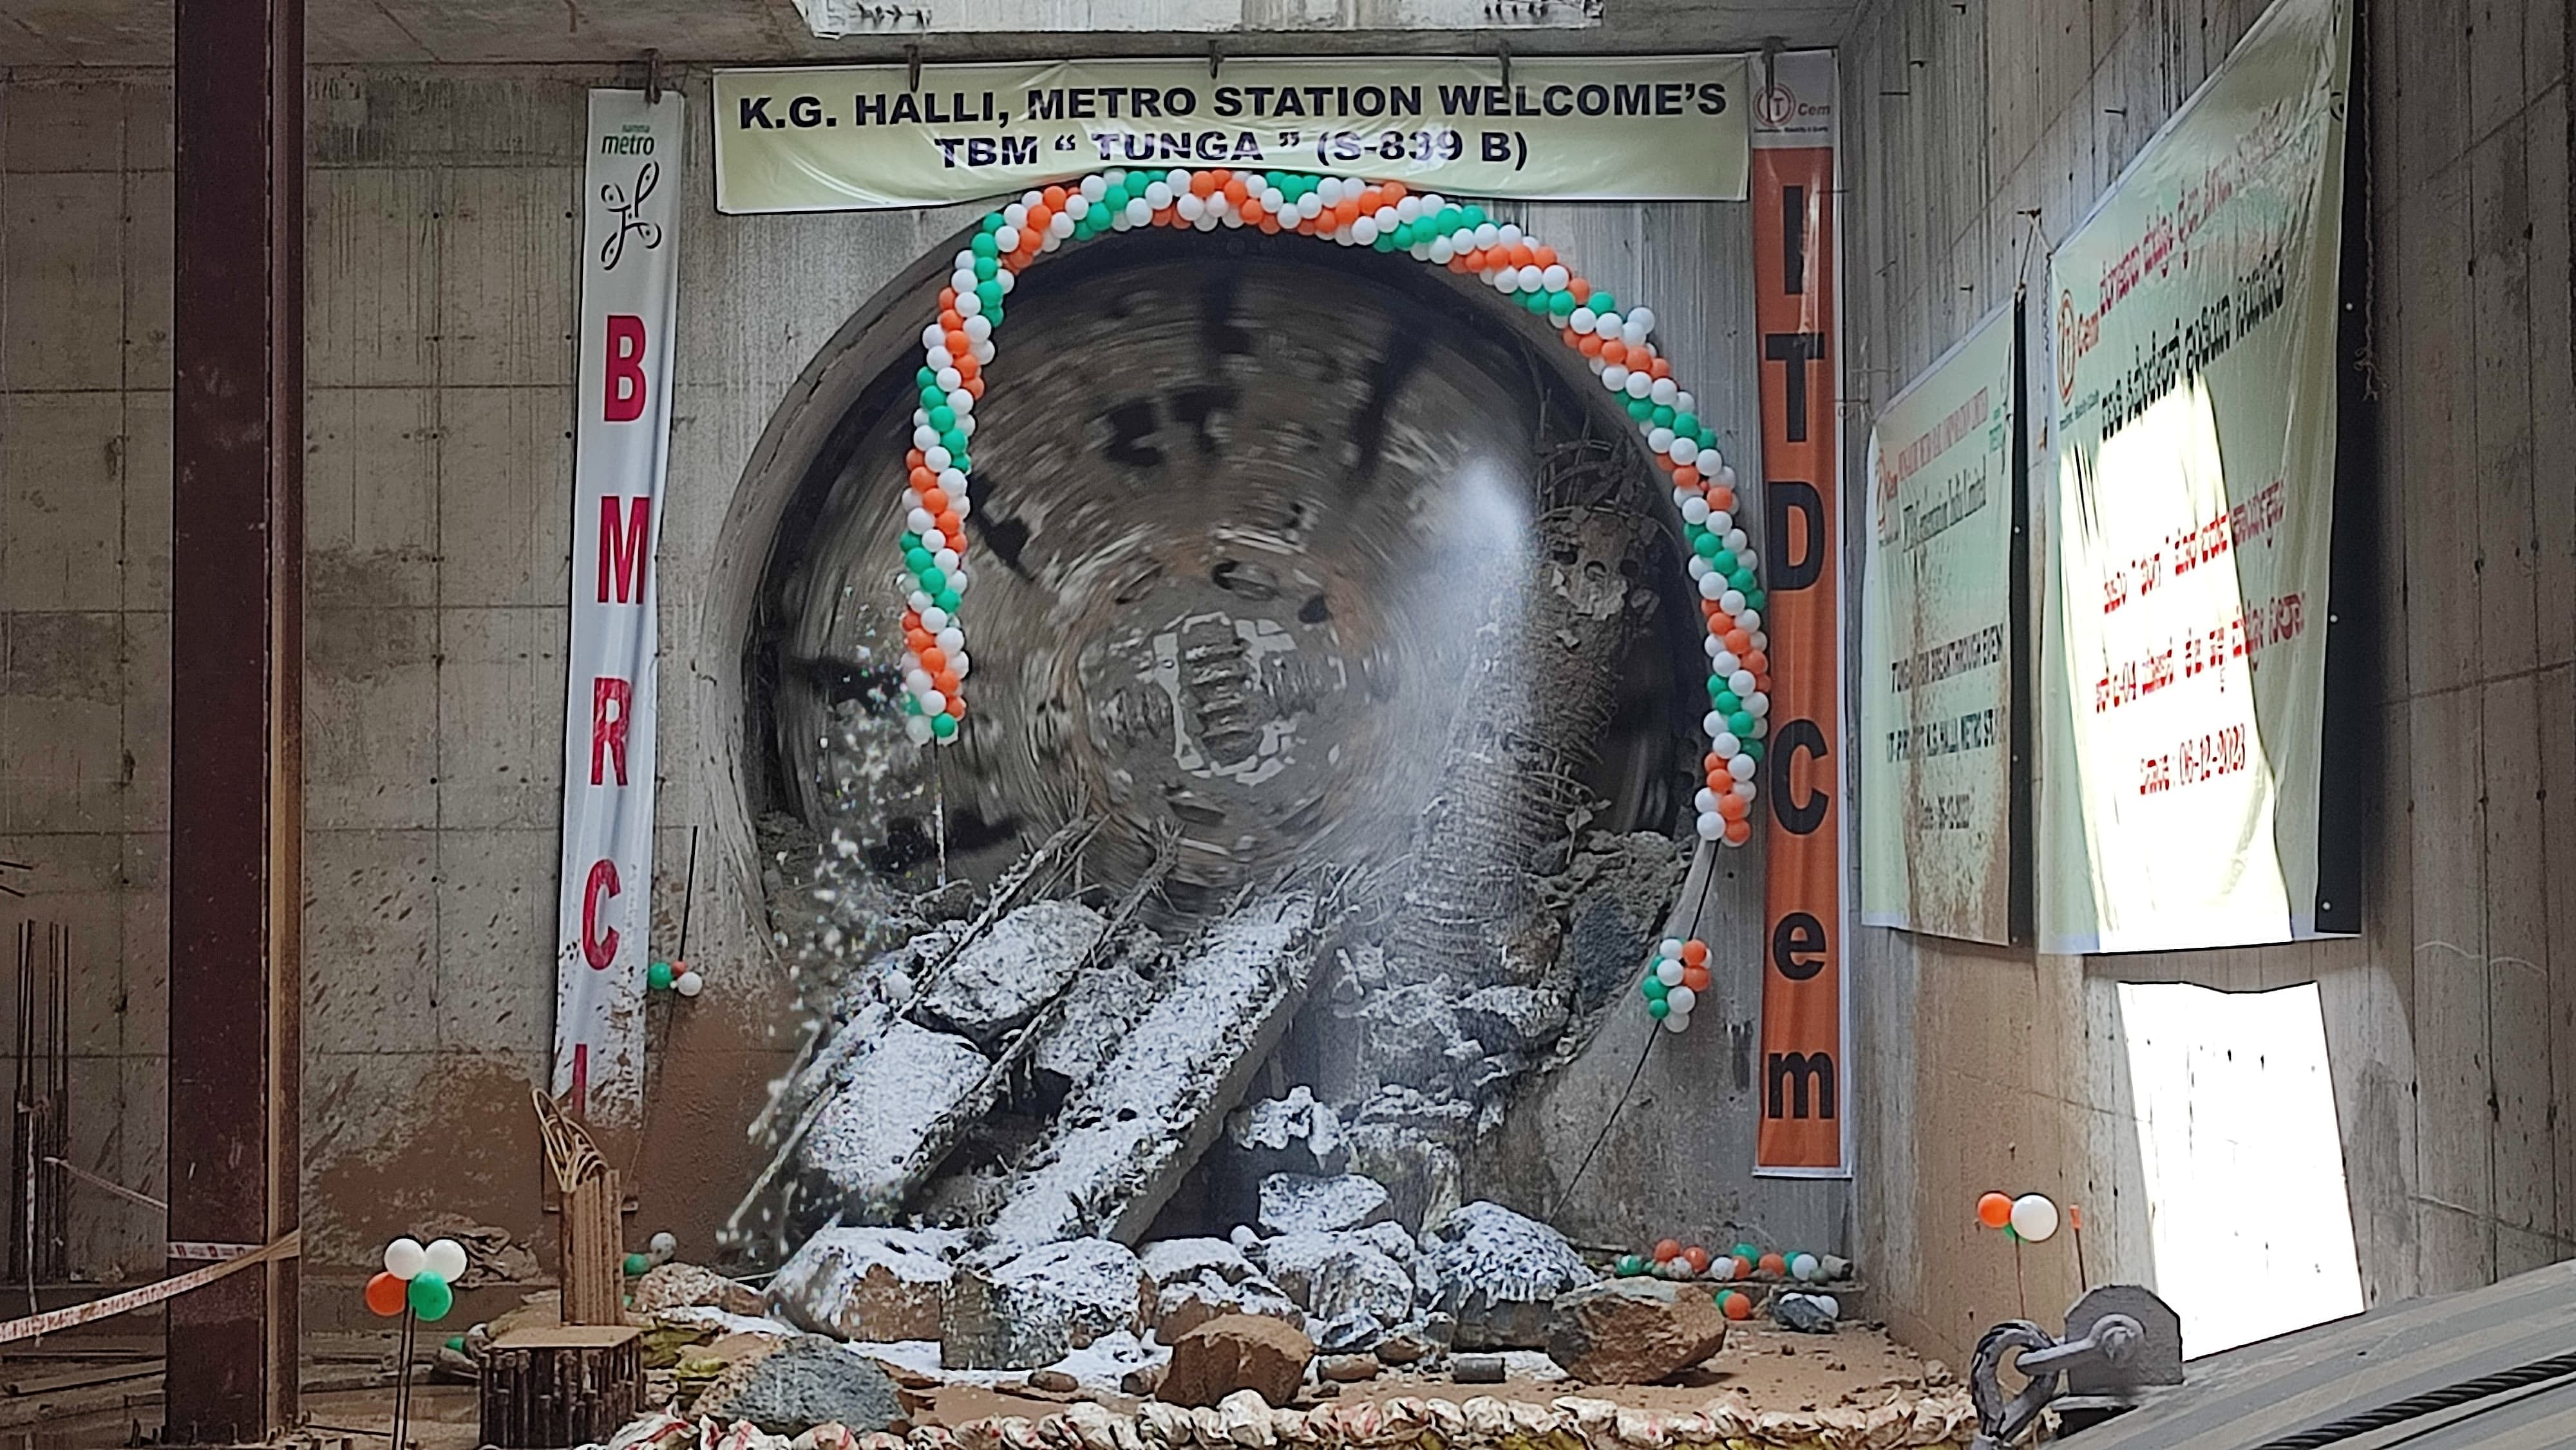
{"type": "Point", "coordinates": [1608, 128]}
{"type": "Point", "coordinates": [1937, 647]}
{"type": "Point", "coordinates": [2191, 516]}
{"type": "Point", "coordinates": [621, 453]}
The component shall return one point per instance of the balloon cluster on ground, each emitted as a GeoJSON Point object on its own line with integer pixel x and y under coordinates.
{"type": "Point", "coordinates": [677, 977]}
{"type": "Point", "coordinates": [1675, 981]}
{"type": "Point", "coordinates": [2031, 1218]}
{"type": "Point", "coordinates": [1617, 345]}
{"type": "Point", "coordinates": [420, 1278]}
{"type": "Point", "coordinates": [1672, 1259]}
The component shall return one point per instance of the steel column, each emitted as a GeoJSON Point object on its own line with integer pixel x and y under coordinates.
{"type": "Point", "coordinates": [236, 685]}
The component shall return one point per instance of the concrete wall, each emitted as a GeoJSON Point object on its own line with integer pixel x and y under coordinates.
{"type": "Point", "coordinates": [1981, 132]}
{"type": "Point", "coordinates": [441, 307]}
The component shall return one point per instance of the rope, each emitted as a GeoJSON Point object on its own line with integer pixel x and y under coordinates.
{"type": "Point", "coordinates": [2449, 1396]}
{"type": "Point", "coordinates": [1607, 1124]}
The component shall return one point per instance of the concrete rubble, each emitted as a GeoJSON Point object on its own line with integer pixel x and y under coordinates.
{"type": "Point", "coordinates": [1235, 1353]}
{"type": "Point", "coordinates": [805, 1382]}
{"type": "Point", "coordinates": [1002, 979]}
{"type": "Point", "coordinates": [894, 1088]}
{"type": "Point", "coordinates": [1334, 1275]}
{"type": "Point", "coordinates": [1633, 1331]}
{"type": "Point", "coordinates": [1304, 1203]}
{"type": "Point", "coordinates": [1119, 1148]}
{"type": "Point", "coordinates": [1294, 1134]}
{"type": "Point", "coordinates": [1499, 1273]}
{"type": "Point", "coordinates": [880, 1284]}
{"type": "Point", "coordinates": [680, 1286]}
{"type": "Point", "coordinates": [1033, 1309]}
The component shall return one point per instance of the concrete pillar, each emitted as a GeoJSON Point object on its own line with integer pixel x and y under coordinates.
{"type": "Point", "coordinates": [236, 768]}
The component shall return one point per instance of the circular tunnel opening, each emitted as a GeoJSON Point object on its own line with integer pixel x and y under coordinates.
{"type": "Point", "coordinates": [1282, 558]}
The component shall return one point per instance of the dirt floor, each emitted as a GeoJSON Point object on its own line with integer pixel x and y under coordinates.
{"type": "Point", "coordinates": [94, 1393]}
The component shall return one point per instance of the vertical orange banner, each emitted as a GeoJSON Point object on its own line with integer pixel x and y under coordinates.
{"type": "Point", "coordinates": [1803, 1075]}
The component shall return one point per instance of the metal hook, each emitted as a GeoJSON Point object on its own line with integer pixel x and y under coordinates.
{"type": "Point", "coordinates": [652, 77]}
{"type": "Point", "coordinates": [912, 68]}
{"type": "Point", "coordinates": [1216, 58]}
{"type": "Point", "coordinates": [1503, 52]}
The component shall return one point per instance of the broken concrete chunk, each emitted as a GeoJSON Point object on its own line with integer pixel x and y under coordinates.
{"type": "Point", "coordinates": [1294, 1134]}
{"type": "Point", "coordinates": [1514, 1019]}
{"type": "Point", "coordinates": [806, 1382]}
{"type": "Point", "coordinates": [1123, 1142]}
{"type": "Point", "coordinates": [1096, 1014]}
{"type": "Point", "coordinates": [1020, 964]}
{"type": "Point", "coordinates": [1183, 1305]}
{"type": "Point", "coordinates": [860, 1150]}
{"type": "Point", "coordinates": [1498, 1274]}
{"type": "Point", "coordinates": [876, 1285]}
{"type": "Point", "coordinates": [1633, 1331]}
{"type": "Point", "coordinates": [1169, 1261]}
{"type": "Point", "coordinates": [1301, 1203]}
{"type": "Point", "coordinates": [1353, 1333]}
{"type": "Point", "coordinates": [1806, 1313]}
{"type": "Point", "coordinates": [1236, 1353]}
{"type": "Point", "coordinates": [1036, 1308]}
{"type": "Point", "coordinates": [682, 1286]}
{"type": "Point", "coordinates": [1333, 1274]}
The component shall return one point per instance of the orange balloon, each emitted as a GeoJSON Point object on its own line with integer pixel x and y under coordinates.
{"type": "Point", "coordinates": [1722, 498]}
{"type": "Point", "coordinates": [1589, 345]}
{"type": "Point", "coordinates": [1697, 979]}
{"type": "Point", "coordinates": [934, 498]}
{"type": "Point", "coordinates": [386, 1295]}
{"type": "Point", "coordinates": [1695, 952]}
{"type": "Point", "coordinates": [1731, 805]}
{"type": "Point", "coordinates": [1994, 1210]}
{"type": "Point", "coordinates": [950, 319]}
{"type": "Point", "coordinates": [946, 680]}
{"type": "Point", "coordinates": [1743, 1267]}
{"type": "Point", "coordinates": [1687, 476]}
{"type": "Point", "coordinates": [1737, 1306]}
{"type": "Point", "coordinates": [1054, 196]}
{"type": "Point", "coordinates": [1738, 643]}
{"type": "Point", "coordinates": [1738, 831]}
{"type": "Point", "coordinates": [1696, 1256]}
{"type": "Point", "coordinates": [1579, 289]}
{"type": "Point", "coordinates": [947, 299]}
{"type": "Point", "coordinates": [1393, 190]}
{"type": "Point", "coordinates": [967, 367]}
{"type": "Point", "coordinates": [975, 385]}
{"type": "Point", "coordinates": [1667, 1251]}
{"type": "Point", "coordinates": [953, 529]}
{"type": "Point", "coordinates": [956, 707]}
{"type": "Point", "coordinates": [913, 459]}
{"type": "Point", "coordinates": [1773, 1264]}
{"type": "Point", "coordinates": [1757, 661]}
{"type": "Point", "coordinates": [934, 659]}
{"type": "Point", "coordinates": [1614, 351]}
{"type": "Point", "coordinates": [918, 639]}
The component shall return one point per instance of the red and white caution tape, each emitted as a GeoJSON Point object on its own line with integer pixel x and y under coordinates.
{"type": "Point", "coordinates": [33, 1325]}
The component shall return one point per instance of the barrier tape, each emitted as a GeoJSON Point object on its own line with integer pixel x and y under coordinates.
{"type": "Point", "coordinates": [291, 1246]}
{"type": "Point", "coordinates": [194, 1249]}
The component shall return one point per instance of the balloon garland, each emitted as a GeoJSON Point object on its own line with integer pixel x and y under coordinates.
{"type": "Point", "coordinates": [1674, 981]}
{"type": "Point", "coordinates": [1617, 346]}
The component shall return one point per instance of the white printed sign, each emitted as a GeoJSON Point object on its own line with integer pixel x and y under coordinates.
{"type": "Point", "coordinates": [621, 454]}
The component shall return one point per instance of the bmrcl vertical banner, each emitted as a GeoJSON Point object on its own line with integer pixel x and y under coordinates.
{"type": "Point", "coordinates": [1936, 647]}
{"type": "Point", "coordinates": [2191, 517]}
{"type": "Point", "coordinates": [1803, 1074]}
{"type": "Point", "coordinates": [629, 277]}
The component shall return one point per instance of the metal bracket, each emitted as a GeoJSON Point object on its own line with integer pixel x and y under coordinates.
{"type": "Point", "coordinates": [1503, 53]}
{"type": "Point", "coordinates": [1216, 58]}
{"type": "Point", "coordinates": [912, 68]}
{"type": "Point", "coordinates": [2120, 1339]}
{"type": "Point", "coordinates": [652, 77]}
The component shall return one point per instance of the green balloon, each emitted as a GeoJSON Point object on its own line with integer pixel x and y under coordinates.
{"type": "Point", "coordinates": [1654, 988]}
{"type": "Point", "coordinates": [1630, 1265]}
{"type": "Point", "coordinates": [1746, 1252]}
{"type": "Point", "coordinates": [1707, 545]}
{"type": "Point", "coordinates": [1753, 749]}
{"type": "Point", "coordinates": [1742, 579]}
{"type": "Point", "coordinates": [911, 704]}
{"type": "Point", "coordinates": [1603, 304]}
{"type": "Point", "coordinates": [952, 440]}
{"type": "Point", "coordinates": [986, 268]}
{"type": "Point", "coordinates": [926, 378]}
{"type": "Point", "coordinates": [983, 245]}
{"type": "Point", "coordinates": [1741, 723]}
{"type": "Point", "coordinates": [916, 558]}
{"type": "Point", "coordinates": [430, 1296]}
{"type": "Point", "coordinates": [1475, 216]}
{"type": "Point", "coordinates": [1707, 436]}
{"type": "Point", "coordinates": [990, 292]}
{"type": "Point", "coordinates": [943, 725]}
{"type": "Point", "coordinates": [946, 599]}
{"type": "Point", "coordinates": [658, 976]}
{"type": "Point", "coordinates": [1718, 694]}
{"type": "Point", "coordinates": [1659, 1008]}
{"type": "Point", "coordinates": [456, 1342]}
{"type": "Point", "coordinates": [636, 1264]}
{"type": "Point", "coordinates": [1686, 425]}
{"type": "Point", "coordinates": [1560, 304]}
{"type": "Point", "coordinates": [943, 417]}
{"type": "Point", "coordinates": [1725, 701]}
{"type": "Point", "coordinates": [1640, 409]}
{"type": "Point", "coordinates": [1755, 599]}
{"type": "Point", "coordinates": [1662, 417]}
{"type": "Point", "coordinates": [933, 579]}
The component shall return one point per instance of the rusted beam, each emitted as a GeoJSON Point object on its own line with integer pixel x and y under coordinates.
{"type": "Point", "coordinates": [236, 672]}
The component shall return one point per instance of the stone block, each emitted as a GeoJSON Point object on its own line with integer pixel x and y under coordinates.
{"type": "Point", "coordinates": [1019, 965]}
{"type": "Point", "coordinates": [1633, 1331]}
{"type": "Point", "coordinates": [1041, 1305]}
{"type": "Point", "coordinates": [1235, 1353]}
{"type": "Point", "coordinates": [878, 1285]}
{"type": "Point", "coordinates": [1303, 1203]}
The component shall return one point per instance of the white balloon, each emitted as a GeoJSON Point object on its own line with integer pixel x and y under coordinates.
{"type": "Point", "coordinates": [1719, 520]}
{"type": "Point", "coordinates": [917, 680]}
{"type": "Point", "coordinates": [446, 1259]}
{"type": "Point", "coordinates": [919, 519]}
{"type": "Point", "coordinates": [1730, 601]}
{"type": "Point", "coordinates": [1685, 450]}
{"type": "Point", "coordinates": [1677, 1022]}
{"type": "Point", "coordinates": [405, 1258]}
{"type": "Point", "coordinates": [1668, 970]}
{"type": "Point", "coordinates": [924, 436]}
{"type": "Point", "coordinates": [1553, 277]}
{"type": "Point", "coordinates": [663, 1245]}
{"type": "Point", "coordinates": [1695, 510]}
{"type": "Point", "coordinates": [1683, 402]}
{"type": "Point", "coordinates": [689, 983]}
{"type": "Point", "coordinates": [1722, 661]}
{"type": "Point", "coordinates": [1710, 824]}
{"type": "Point", "coordinates": [1735, 539]}
{"type": "Point", "coordinates": [1713, 725]}
{"type": "Point", "coordinates": [1008, 239]}
{"type": "Point", "coordinates": [1364, 231]}
{"type": "Point", "coordinates": [1804, 1267]}
{"type": "Point", "coordinates": [952, 639]}
{"type": "Point", "coordinates": [916, 729]}
{"type": "Point", "coordinates": [1015, 215]}
{"type": "Point", "coordinates": [1757, 705]}
{"type": "Point", "coordinates": [1640, 382]}
{"type": "Point", "coordinates": [936, 457]}
{"type": "Point", "coordinates": [2034, 1217]}
{"type": "Point", "coordinates": [934, 618]}
{"type": "Point", "coordinates": [1660, 439]}
{"type": "Point", "coordinates": [1740, 766]}
{"type": "Point", "coordinates": [1712, 585]}
{"type": "Point", "coordinates": [1680, 998]}
{"type": "Point", "coordinates": [933, 703]}
{"type": "Point", "coordinates": [943, 559]}
{"type": "Point", "coordinates": [1614, 376]}
{"type": "Point", "coordinates": [1742, 683]}
{"type": "Point", "coordinates": [1582, 319]}
{"type": "Point", "coordinates": [1643, 317]}
{"type": "Point", "coordinates": [1670, 946]}
{"type": "Point", "coordinates": [1665, 391]}
{"type": "Point", "coordinates": [1722, 741]}
{"type": "Point", "coordinates": [969, 303]}
{"type": "Point", "coordinates": [1750, 621]}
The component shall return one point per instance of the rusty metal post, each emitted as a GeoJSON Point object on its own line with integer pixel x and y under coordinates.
{"type": "Point", "coordinates": [236, 677]}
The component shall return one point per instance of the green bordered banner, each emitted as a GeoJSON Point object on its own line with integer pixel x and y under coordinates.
{"type": "Point", "coordinates": [1607, 128]}
{"type": "Point", "coordinates": [1937, 644]}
